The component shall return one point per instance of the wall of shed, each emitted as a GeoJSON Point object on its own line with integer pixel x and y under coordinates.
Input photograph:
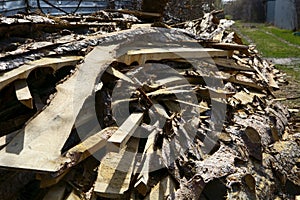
{"type": "Point", "coordinates": [270, 13]}
{"type": "Point", "coordinates": [298, 12]}
{"type": "Point", "coordinates": [286, 14]}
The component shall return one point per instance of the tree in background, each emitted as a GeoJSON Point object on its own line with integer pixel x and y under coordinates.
{"type": "Point", "coordinates": [183, 10]}
{"type": "Point", "coordinates": [252, 11]}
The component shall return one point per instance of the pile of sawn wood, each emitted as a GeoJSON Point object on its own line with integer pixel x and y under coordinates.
{"type": "Point", "coordinates": [61, 139]}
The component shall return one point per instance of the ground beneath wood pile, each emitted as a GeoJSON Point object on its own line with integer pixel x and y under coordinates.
{"type": "Point", "coordinates": [291, 91]}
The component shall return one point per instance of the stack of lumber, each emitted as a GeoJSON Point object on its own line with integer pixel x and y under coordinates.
{"type": "Point", "coordinates": [91, 108]}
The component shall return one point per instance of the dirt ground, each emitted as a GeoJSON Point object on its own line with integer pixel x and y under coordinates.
{"type": "Point", "coordinates": [291, 91]}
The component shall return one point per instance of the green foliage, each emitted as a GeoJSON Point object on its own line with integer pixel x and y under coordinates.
{"type": "Point", "coordinates": [229, 17]}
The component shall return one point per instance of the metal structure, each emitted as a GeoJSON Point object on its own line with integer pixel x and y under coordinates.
{"type": "Point", "coordinates": [9, 7]}
{"type": "Point", "coordinates": [57, 7]}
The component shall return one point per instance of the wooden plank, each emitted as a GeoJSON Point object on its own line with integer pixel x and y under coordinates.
{"type": "Point", "coordinates": [229, 46]}
{"type": "Point", "coordinates": [231, 64]}
{"type": "Point", "coordinates": [143, 55]}
{"type": "Point", "coordinates": [143, 178]}
{"type": "Point", "coordinates": [122, 135]}
{"type": "Point", "coordinates": [23, 93]}
{"type": "Point", "coordinates": [38, 146]}
{"type": "Point", "coordinates": [115, 170]}
{"type": "Point", "coordinates": [56, 192]}
{"type": "Point", "coordinates": [23, 71]}
{"type": "Point", "coordinates": [233, 79]}
{"type": "Point", "coordinates": [163, 189]}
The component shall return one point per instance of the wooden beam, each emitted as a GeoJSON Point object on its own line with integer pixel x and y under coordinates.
{"type": "Point", "coordinates": [23, 71]}
{"type": "Point", "coordinates": [115, 170]}
{"type": "Point", "coordinates": [125, 131]}
{"type": "Point", "coordinates": [143, 55]}
{"type": "Point", "coordinates": [23, 93]}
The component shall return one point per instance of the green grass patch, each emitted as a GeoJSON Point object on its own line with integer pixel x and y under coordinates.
{"type": "Point", "coordinates": [284, 34]}
{"type": "Point", "coordinates": [268, 45]}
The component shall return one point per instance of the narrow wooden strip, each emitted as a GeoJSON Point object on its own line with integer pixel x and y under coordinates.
{"type": "Point", "coordinates": [122, 135]}
{"type": "Point", "coordinates": [231, 64]}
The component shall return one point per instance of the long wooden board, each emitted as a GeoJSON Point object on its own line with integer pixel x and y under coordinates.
{"type": "Point", "coordinates": [23, 71]}
{"type": "Point", "coordinates": [143, 55]}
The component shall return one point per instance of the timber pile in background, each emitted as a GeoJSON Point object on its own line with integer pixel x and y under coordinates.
{"type": "Point", "coordinates": [61, 137]}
